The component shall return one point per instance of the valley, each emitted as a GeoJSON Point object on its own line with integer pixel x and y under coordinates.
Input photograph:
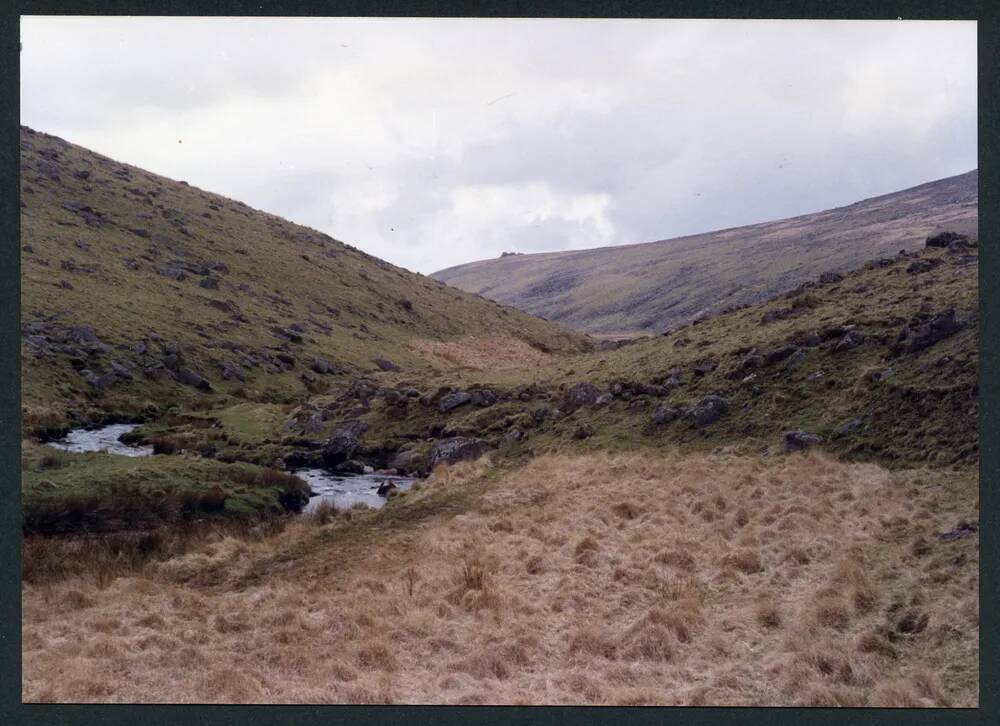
{"type": "Point", "coordinates": [785, 481]}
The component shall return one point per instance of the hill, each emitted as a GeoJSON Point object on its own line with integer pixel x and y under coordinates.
{"type": "Point", "coordinates": [648, 288]}
{"type": "Point", "coordinates": [139, 293]}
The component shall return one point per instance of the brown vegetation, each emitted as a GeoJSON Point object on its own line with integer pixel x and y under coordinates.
{"type": "Point", "coordinates": [801, 589]}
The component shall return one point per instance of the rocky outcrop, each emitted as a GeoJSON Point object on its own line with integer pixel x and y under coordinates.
{"type": "Point", "coordinates": [707, 411]}
{"type": "Point", "coordinates": [579, 394]}
{"type": "Point", "coordinates": [799, 441]}
{"type": "Point", "coordinates": [343, 442]}
{"type": "Point", "coordinates": [459, 448]}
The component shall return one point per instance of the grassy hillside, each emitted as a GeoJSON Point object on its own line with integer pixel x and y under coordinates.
{"type": "Point", "coordinates": [139, 292]}
{"type": "Point", "coordinates": [649, 288]}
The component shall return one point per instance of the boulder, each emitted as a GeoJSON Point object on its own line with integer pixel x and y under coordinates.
{"type": "Point", "coordinates": [915, 338]}
{"type": "Point", "coordinates": [453, 400]}
{"type": "Point", "coordinates": [484, 397]}
{"type": "Point", "coordinates": [851, 339]}
{"type": "Point", "coordinates": [459, 448]}
{"type": "Point", "coordinates": [946, 239]}
{"type": "Point", "coordinates": [343, 442]}
{"type": "Point", "coordinates": [779, 354]}
{"type": "Point", "coordinates": [190, 378]}
{"type": "Point", "coordinates": [579, 394]}
{"type": "Point", "coordinates": [664, 414]}
{"type": "Point", "coordinates": [707, 411]}
{"type": "Point", "coordinates": [799, 441]}
{"type": "Point", "coordinates": [705, 367]}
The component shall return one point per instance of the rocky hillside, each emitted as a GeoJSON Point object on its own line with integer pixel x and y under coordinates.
{"type": "Point", "coordinates": [139, 292]}
{"type": "Point", "coordinates": [649, 288]}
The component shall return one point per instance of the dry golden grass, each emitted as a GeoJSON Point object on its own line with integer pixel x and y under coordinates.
{"type": "Point", "coordinates": [626, 579]}
{"type": "Point", "coordinates": [480, 354]}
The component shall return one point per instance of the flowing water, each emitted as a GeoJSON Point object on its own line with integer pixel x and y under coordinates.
{"type": "Point", "coordinates": [102, 439]}
{"type": "Point", "coordinates": [346, 490]}
{"type": "Point", "coordinates": [342, 490]}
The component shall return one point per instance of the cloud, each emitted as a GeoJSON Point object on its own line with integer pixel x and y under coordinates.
{"type": "Point", "coordinates": [432, 142]}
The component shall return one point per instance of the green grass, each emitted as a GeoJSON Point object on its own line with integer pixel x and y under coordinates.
{"type": "Point", "coordinates": [352, 306]}
{"type": "Point", "coordinates": [98, 491]}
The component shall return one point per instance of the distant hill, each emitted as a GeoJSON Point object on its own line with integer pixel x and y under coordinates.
{"type": "Point", "coordinates": [650, 287]}
{"type": "Point", "coordinates": [138, 291]}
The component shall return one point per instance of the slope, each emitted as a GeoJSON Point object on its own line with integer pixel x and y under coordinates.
{"type": "Point", "coordinates": [650, 287]}
{"type": "Point", "coordinates": [139, 293]}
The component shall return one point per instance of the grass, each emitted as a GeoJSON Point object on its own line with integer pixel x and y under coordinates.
{"type": "Point", "coordinates": [647, 288]}
{"type": "Point", "coordinates": [352, 307]}
{"type": "Point", "coordinates": [418, 603]}
{"type": "Point", "coordinates": [103, 492]}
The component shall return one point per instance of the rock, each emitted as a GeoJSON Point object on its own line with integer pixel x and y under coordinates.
{"type": "Point", "coordinates": [848, 428]}
{"type": "Point", "coordinates": [457, 449]}
{"type": "Point", "coordinates": [579, 394]}
{"type": "Point", "coordinates": [540, 414]}
{"type": "Point", "coordinates": [139, 347]}
{"type": "Point", "coordinates": [484, 397]}
{"type": "Point", "coordinates": [604, 399]}
{"type": "Point", "coordinates": [231, 372]}
{"type": "Point", "coordinates": [946, 239]}
{"type": "Point", "coordinates": [512, 437]}
{"type": "Point", "coordinates": [850, 340]}
{"type": "Point", "coordinates": [453, 401]}
{"type": "Point", "coordinates": [343, 442]}
{"type": "Point", "coordinates": [783, 353]}
{"type": "Point", "coordinates": [403, 461]}
{"type": "Point", "coordinates": [405, 304]}
{"type": "Point", "coordinates": [664, 415]}
{"type": "Point", "coordinates": [82, 334]}
{"type": "Point", "coordinates": [705, 367]}
{"type": "Point", "coordinates": [384, 488]}
{"type": "Point", "coordinates": [322, 366]}
{"type": "Point", "coordinates": [639, 404]}
{"type": "Point", "coordinates": [828, 278]}
{"type": "Point", "coordinates": [190, 378]}
{"type": "Point", "coordinates": [959, 531]}
{"type": "Point", "coordinates": [209, 283]}
{"type": "Point", "coordinates": [707, 411]}
{"type": "Point", "coordinates": [385, 365]}
{"type": "Point", "coordinates": [120, 369]}
{"type": "Point", "coordinates": [941, 325]}
{"type": "Point", "coordinates": [799, 441]}
{"type": "Point", "coordinates": [919, 266]}
{"type": "Point", "coordinates": [583, 432]}
{"type": "Point", "coordinates": [286, 358]}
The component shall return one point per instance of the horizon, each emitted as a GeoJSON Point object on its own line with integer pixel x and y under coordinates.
{"type": "Point", "coordinates": [549, 141]}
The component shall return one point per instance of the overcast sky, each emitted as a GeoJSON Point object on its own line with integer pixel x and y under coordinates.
{"type": "Point", "coordinates": [432, 142]}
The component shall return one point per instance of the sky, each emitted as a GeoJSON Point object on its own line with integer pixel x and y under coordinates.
{"type": "Point", "coordinates": [434, 142]}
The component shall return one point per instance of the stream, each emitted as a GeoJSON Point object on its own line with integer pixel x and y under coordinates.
{"type": "Point", "coordinates": [341, 490]}
{"type": "Point", "coordinates": [78, 441]}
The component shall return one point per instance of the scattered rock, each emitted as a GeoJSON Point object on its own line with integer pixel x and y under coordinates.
{"type": "Point", "coordinates": [946, 239]}
{"type": "Point", "coordinates": [941, 325]}
{"type": "Point", "coordinates": [190, 378]}
{"type": "Point", "coordinates": [959, 531]}
{"type": "Point", "coordinates": [707, 411]}
{"type": "Point", "coordinates": [799, 441]}
{"type": "Point", "coordinates": [322, 366]}
{"type": "Point", "coordinates": [343, 442]}
{"type": "Point", "coordinates": [851, 339]}
{"type": "Point", "coordinates": [579, 394]}
{"type": "Point", "coordinates": [453, 401]}
{"type": "Point", "coordinates": [457, 449]}
{"type": "Point", "coordinates": [664, 414]}
{"type": "Point", "coordinates": [703, 368]}
{"type": "Point", "coordinates": [484, 397]}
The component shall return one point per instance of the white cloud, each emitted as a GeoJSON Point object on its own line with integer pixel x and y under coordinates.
{"type": "Point", "coordinates": [432, 142]}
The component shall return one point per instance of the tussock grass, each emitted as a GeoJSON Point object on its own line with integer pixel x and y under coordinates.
{"type": "Point", "coordinates": [566, 603]}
